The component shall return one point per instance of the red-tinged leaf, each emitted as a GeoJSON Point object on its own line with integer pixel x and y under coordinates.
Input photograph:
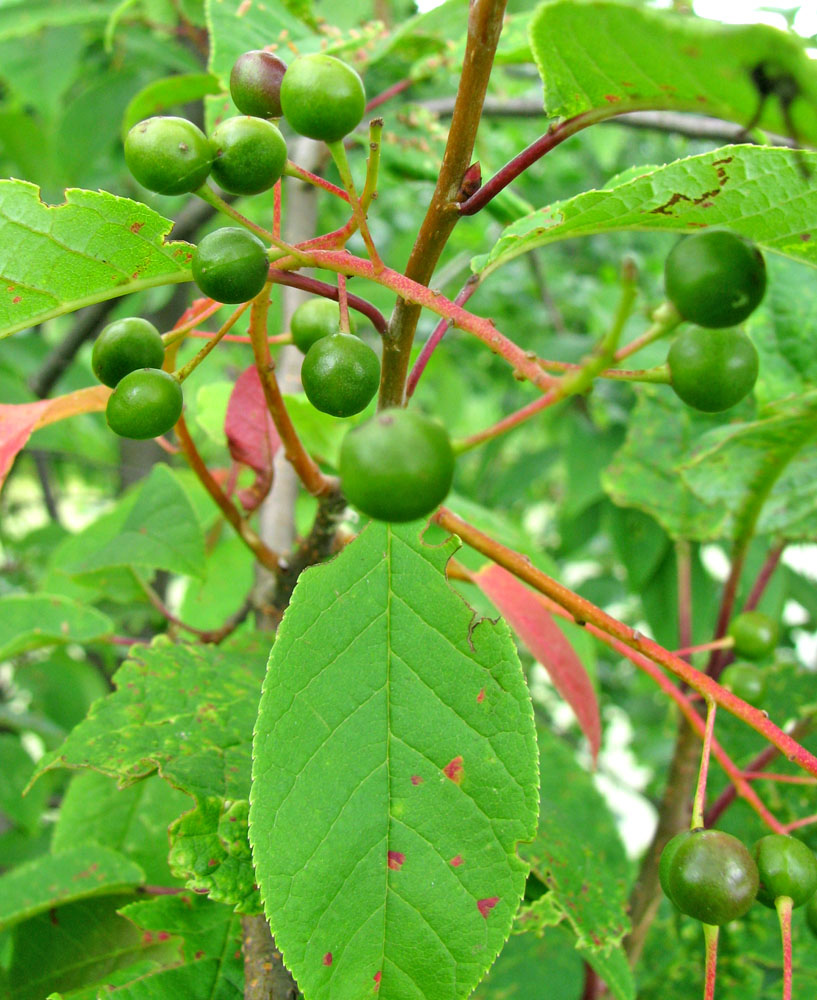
{"type": "Point", "coordinates": [251, 435]}
{"type": "Point", "coordinates": [17, 421]}
{"type": "Point", "coordinates": [527, 616]}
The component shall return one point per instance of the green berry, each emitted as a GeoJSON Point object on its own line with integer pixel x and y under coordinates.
{"type": "Point", "coordinates": [125, 345]}
{"type": "Point", "coordinates": [145, 404]}
{"type": "Point", "coordinates": [322, 97]}
{"type": "Point", "coordinates": [786, 868]}
{"type": "Point", "coordinates": [398, 466]}
{"type": "Point", "coordinates": [667, 859]}
{"type": "Point", "coordinates": [314, 319]}
{"type": "Point", "coordinates": [250, 155]}
{"type": "Point", "coordinates": [715, 278]}
{"type": "Point", "coordinates": [745, 681]}
{"type": "Point", "coordinates": [712, 877]}
{"type": "Point", "coordinates": [712, 370]}
{"type": "Point", "coordinates": [168, 155]}
{"type": "Point", "coordinates": [340, 374]}
{"type": "Point", "coordinates": [755, 634]}
{"type": "Point", "coordinates": [255, 83]}
{"type": "Point", "coordinates": [230, 265]}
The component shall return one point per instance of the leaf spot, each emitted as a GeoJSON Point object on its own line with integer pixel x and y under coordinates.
{"type": "Point", "coordinates": [136, 226]}
{"type": "Point", "coordinates": [456, 861]}
{"type": "Point", "coordinates": [453, 770]}
{"type": "Point", "coordinates": [486, 905]}
{"type": "Point", "coordinates": [377, 976]}
{"type": "Point", "coordinates": [481, 695]}
{"type": "Point", "coordinates": [416, 779]}
{"type": "Point", "coordinates": [396, 860]}
{"type": "Point", "coordinates": [327, 958]}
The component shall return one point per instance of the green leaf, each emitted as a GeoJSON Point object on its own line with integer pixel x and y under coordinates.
{"type": "Point", "coordinates": [29, 621]}
{"type": "Point", "coordinates": [186, 711]}
{"type": "Point", "coordinates": [535, 968]}
{"type": "Point", "coordinates": [83, 945]}
{"type": "Point", "coordinates": [577, 853]}
{"type": "Point", "coordinates": [234, 29]}
{"type": "Point", "coordinates": [759, 192]}
{"type": "Point", "coordinates": [54, 879]}
{"type": "Point", "coordinates": [394, 773]}
{"type": "Point", "coordinates": [210, 850]}
{"type": "Point", "coordinates": [619, 57]}
{"type": "Point", "coordinates": [22, 810]}
{"type": "Point", "coordinates": [614, 970]}
{"type": "Point", "coordinates": [155, 529]}
{"type": "Point", "coordinates": [781, 330]}
{"type": "Point", "coordinates": [20, 17]}
{"type": "Point", "coordinates": [169, 91]}
{"type": "Point", "coordinates": [764, 472]}
{"type": "Point", "coordinates": [93, 247]}
{"type": "Point", "coordinates": [132, 820]}
{"type": "Point", "coordinates": [208, 929]}
{"type": "Point", "coordinates": [645, 472]}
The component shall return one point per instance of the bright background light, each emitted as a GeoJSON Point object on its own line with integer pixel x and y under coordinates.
{"type": "Point", "coordinates": [729, 11]}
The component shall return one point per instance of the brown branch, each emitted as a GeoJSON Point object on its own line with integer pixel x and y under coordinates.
{"type": "Point", "coordinates": [484, 27]}
{"type": "Point", "coordinates": [265, 975]}
{"type": "Point", "coordinates": [303, 464]}
{"type": "Point", "coordinates": [263, 554]}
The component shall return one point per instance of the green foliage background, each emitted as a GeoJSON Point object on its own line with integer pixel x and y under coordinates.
{"type": "Point", "coordinates": [599, 491]}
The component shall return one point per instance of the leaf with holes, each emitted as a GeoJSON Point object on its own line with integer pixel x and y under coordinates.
{"type": "Point", "coordinates": [184, 710]}
{"type": "Point", "coordinates": [93, 247]}
{"type": "Point", "coordinates": [578, 855]}
{"type": "Point", "coordinates": [395, 772]}
{"type": "Point", "coordinates": [759, 192]}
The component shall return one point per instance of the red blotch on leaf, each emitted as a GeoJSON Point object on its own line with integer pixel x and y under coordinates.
{"type": "Point", "coordinates": [416, 779]}
{"type": "Point", "coordinates": [251, 435]}
{"type": "Point", "coordinates": [377, 976]}
{"type": "Point", "coordinates": [486, 905]}
{"type": "Point", "coordinates": [612, 98]}
{"type": "Point", "coordinates": [163, 935]}
{"type": "Point", "coordinates": [456, 861]}
{"type": "Point", "coordinates": [453, 770]}
{"type": "Point", "coordinates": [147, 938]}
{"type": "Point", "coordinates": [527, 615]}
{"type": "Point", "coordinates": [198, 955]}
{"type": "Point", "coordinates": [136, 226]}
{"type": "Point", "coordinates": [481, 695]}
{"type": "Point", "coordinates": [327, 958]}
{"type": "Point", "coordinates": [396, 860]}
{"type": "Point", "coordinates": [17, 298]}
{"type": "Point", "coordinates": [212, 863]}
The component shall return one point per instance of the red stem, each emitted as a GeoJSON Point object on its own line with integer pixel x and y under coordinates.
{"type": "Point", "coordinates": [509, 422]}
{"type": "Point", "coordinates": [276, 210]}
{"type": "Point", "coordinates": [684, 564]}
{"type": "Point", "coordinates": [711, 939]}
{"type": "Point", "coordinates": [555, 135]}
{"type": "Point", "coordinates": [783, 905]}
{"type": "Point", "coordinates": [765, 574]}
{"type": "Point", "coordinates": [584, 611]}
{"type": "Point", "coordinates": [294, 280]}
{"type": "Point", "coordinates": [439, 332]}
{"type": "Point", "coordinates": [396, 88]}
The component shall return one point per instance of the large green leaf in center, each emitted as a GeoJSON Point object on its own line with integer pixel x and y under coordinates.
{"type": "Point", "coordinates": [395, 771]}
